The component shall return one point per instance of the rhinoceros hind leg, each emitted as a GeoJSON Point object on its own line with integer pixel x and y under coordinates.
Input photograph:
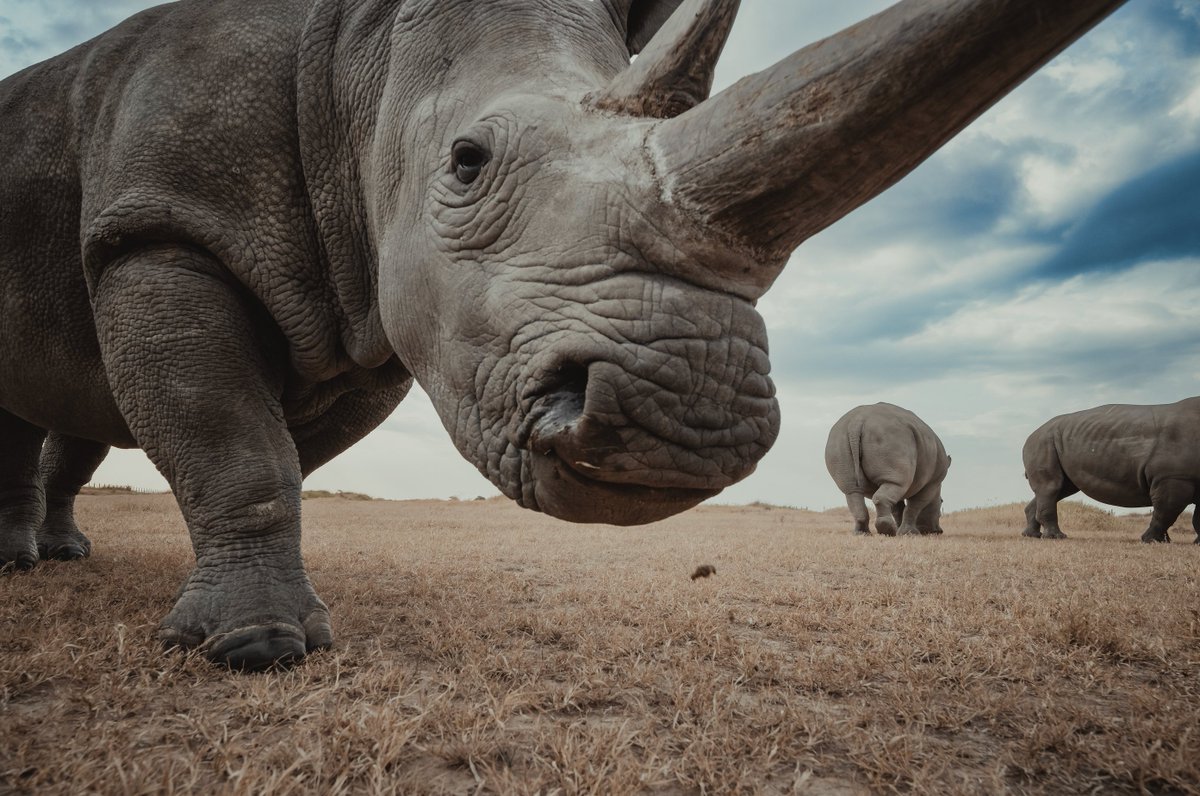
{"type": "Point", "coordinates": [67, 464]}
{"type": "Point", "coordinates": [1046, 511]}
{"type": "Point", "coordinates": [1169, 498]}
{"type": "Point", "coordinates": [1196, 522]}
{"type": "Point", "coordinates": [858, 508]}
{"type": "Point", "coordinates": [885, 499]}
{"type": "Point", "coordinates": [22, 499]}
{"type": "Point", "coordinates": [1033, 528]}
{"type": "Point", "coordinates": [1050, 484]}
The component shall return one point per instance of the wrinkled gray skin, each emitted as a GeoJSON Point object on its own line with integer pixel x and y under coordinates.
{"type": "Point", "coordinates": [233, 233]}
{"type": "Point", "coordinates": [890, 454]}
{"type": "Point", "coordinates": [1120, 454]}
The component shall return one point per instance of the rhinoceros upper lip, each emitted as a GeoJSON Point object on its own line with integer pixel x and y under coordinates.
{"type": "Point", "coordinates": [554, 413]}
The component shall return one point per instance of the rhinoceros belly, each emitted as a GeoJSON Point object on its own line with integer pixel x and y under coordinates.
{"type": "Point", "coordinates": [1110, 469]}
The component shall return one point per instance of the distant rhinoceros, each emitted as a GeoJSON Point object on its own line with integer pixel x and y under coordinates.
{"type": "Point", "coordinates": [1120, 454]}
{"type": "Point", "coordinates": [890, 454]}
{"type": "Point", "coordinates": [232, 233]}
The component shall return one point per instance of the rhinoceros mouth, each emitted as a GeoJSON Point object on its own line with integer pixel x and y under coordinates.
{"type": "Point", "coordinates": [555, 487]}
{"type": "Point", "coordinates": [586, 459]}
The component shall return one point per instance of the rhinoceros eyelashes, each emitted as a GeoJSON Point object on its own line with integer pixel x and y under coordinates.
{"type": "Point", "coordinates": [467, 159]}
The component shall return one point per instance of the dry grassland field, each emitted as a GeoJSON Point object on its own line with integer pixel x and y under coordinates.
{"type": "Point", "coordinates": [487, 649]}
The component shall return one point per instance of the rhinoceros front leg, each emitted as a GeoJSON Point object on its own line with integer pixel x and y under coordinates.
{"type": "Point", "coordinates": [67, 463]}
{"type": "Point", "coordinates": [930, 521]}
{"type": "Point", "coordinates": [22, 501]}
{"type": "Point", "coordinates": [916, 506]}
{"type": "Point", "coordinates": [189, 369]}
{"type": "Point", "coordinates": [1169, 498]}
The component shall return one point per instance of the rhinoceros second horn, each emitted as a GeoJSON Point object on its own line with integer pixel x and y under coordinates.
{"type": "Point", "coordinates": [675, 72]}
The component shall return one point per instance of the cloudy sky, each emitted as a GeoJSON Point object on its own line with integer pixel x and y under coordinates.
{"type": "Point", "coordinates": [1046, 260]}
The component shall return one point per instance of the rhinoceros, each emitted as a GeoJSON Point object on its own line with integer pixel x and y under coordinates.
{"type": "Point", "coordinates": [233, 233]}
{"type": "Point", "coordinates": [1120, 454]}
{"type": "Point", "coordinates": [889, 453]}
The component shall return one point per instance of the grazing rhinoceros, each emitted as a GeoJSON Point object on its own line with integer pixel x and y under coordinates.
{"type": "Point", "coordinates": [889, 453]}
{"type": "Point", "coordinates": [232, 233]}
{"type": "Point", "coordinates": [1119, 454]}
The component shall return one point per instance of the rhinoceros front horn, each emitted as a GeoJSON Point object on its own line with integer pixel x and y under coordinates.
{"type": "Point", "coordinates": [787, 151]}
{"type": "Point", "coordinates": [674, 73]}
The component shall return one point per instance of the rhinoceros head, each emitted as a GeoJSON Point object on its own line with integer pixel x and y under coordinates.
{"type": "Point", "coordinates": [570, 245]}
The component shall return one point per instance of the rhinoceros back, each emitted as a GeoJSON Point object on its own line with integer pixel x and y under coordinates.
{"type": "Point", "coordinates": [178, 125]}
{"type": "Point", "coordinates": [1114, 453]}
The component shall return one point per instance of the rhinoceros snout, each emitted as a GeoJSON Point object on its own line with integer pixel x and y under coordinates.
{"type": "Point", "coordinates": [563, 428]}
{"type": "Point", "coordinates": [608, 443]}
{"type": "Point", "coordinates": [580, 469]}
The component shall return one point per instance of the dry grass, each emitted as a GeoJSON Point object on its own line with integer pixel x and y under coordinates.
{"type": "Point", "coordinates": [483, 648]}
{"type": "Point", "coordinates": [316, 494]}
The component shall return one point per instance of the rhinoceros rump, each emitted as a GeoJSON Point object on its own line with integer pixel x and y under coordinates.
{"type": "Point", "coordinates": [889, 453]}
{"type": "Point", "coordinates": [1119, 454]}
{"type": "Point", "coordinates": [233, 233]}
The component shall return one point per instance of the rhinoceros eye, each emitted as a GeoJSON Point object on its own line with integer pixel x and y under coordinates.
{"type": "Point", "coordinates": [467, 160]}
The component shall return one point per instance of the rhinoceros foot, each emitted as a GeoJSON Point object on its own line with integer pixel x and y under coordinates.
{"type": "Point", "coordinates": [1032, 533]}
{"type": "Point", "coordinates": [64, 552]}
{"type": "Point", "coordinates": [885, 525]}
{"type": "Point", "coordinates": [1151, 536]}
{"type": "Point", "coordinates": [18, 546]}
{"type": "Point", "coordinates": [248, 618]}
{"type": "Point", "coordinates": [62, 542]}
{"type": "Point", "coordinates": [17, 556]}
{"type": "Point", "coordinates": [257, 647]}
{"type": "Point", "coordinates": [1052, 533]}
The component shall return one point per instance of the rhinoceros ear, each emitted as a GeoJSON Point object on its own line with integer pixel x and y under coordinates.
{"type": "Point", "coordinates": [640, 19]}
{"type": "Point", "coordinates": [644, 19]}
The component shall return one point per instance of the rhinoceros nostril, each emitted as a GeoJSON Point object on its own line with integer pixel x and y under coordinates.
{"type": "Point", "coordinates": [559, 408]}
{"type": "Point", "coordinates": [571, 377]}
